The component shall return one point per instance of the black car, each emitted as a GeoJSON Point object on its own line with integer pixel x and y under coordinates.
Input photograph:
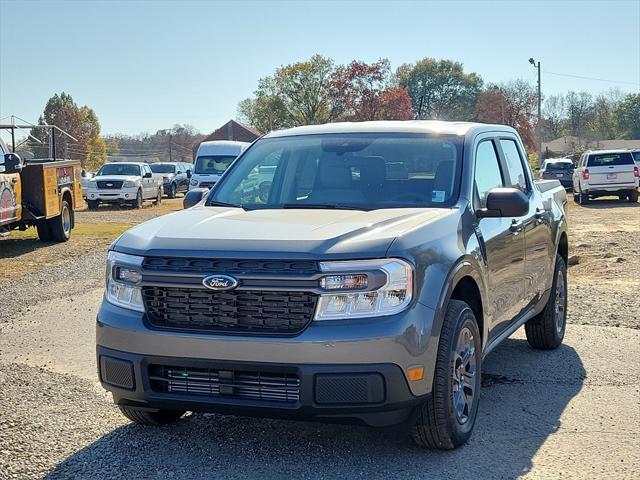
{"type": "Point", "coordinates": [175, 176]}
{"type": "Point", "coordinates": [560, 169]}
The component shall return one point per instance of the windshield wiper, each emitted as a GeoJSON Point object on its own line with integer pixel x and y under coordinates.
{"type": "Point", "coordinates": [213, 203]}
{"type": "Point", "coordinates": [323, 206]}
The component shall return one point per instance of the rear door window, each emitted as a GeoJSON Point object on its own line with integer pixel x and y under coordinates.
{"type": "Point", "coordinates": [515, 165]}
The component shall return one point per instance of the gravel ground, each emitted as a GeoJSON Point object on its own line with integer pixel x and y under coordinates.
{"type": "Point", "coordinates": [543, 414]}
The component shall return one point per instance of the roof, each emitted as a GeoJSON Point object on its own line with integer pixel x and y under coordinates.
{"type": "Point", "coordinates": [611, 150]}
{"type": "Point", "coordinates": [233, 130]}
{"type": "Point", "coordinates": [558, 160]}
{"type": "Point", "coordinates": [224, 143]}
{"type": "Point", "coordinates": [400, 126]}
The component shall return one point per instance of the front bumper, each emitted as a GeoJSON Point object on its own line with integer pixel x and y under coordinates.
{"type": "Point", "coordinates": [385, 346]}
{"type": "Point", "coordinates": [112, 195]}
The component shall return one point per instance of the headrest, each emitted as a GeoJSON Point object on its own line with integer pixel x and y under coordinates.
{"type": "Point", "coordinates": [334, 173]}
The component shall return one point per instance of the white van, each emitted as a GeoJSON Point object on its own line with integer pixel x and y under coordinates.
{"type": "Point", "coordinates": [212, 159]}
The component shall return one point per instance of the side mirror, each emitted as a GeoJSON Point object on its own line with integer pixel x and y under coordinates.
{"type": "Point", "coordinates": [147, 175]}
{"type": "Point", "coordinates": [505, 202]}
{"type": "Point", "coordinates": [12, 163]}
{"type": "Point", "coordinates": [193, 197]}
{"type": "Point", "coordinates": [188, 173]}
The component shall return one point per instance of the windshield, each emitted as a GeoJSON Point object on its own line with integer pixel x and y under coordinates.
{"type": "Point", "coordinates": [363, 171]}
{"type": "Point", "coordinates": [162, 168]}
{"type": "Point", "coordinates": [610, 159]}
{"type": "Point", "coordinates": [559, 166]}
{"type": "Point", "coordinates": [216, 164]}
{"type": "Point", "coordinates": [119, 169]}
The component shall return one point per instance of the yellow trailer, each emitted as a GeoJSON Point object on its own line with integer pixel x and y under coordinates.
{"type": "Point", "coordinates": [40, 193]}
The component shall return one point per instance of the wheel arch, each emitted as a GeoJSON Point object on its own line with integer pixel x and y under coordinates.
{"type": "Point", "coordinates": [68, 196]}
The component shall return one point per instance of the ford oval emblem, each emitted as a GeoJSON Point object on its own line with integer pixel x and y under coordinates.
{"type": "Point", "coordinates": [220, 282]}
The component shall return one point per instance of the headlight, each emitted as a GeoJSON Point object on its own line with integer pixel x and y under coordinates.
{"type": "Point", "coordinates": [92, 184]}
{"type": "Point", "coordinates": [193, 182]}
{"type": "Point", "coordinates": [123, 278]}
{"type": "Point", "coordinates": [129, 184]}
{"type": "Point", "coordinates": [368, 288]}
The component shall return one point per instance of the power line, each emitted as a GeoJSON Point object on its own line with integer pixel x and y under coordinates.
{"type": "Point", "coordinates": [591, 78]}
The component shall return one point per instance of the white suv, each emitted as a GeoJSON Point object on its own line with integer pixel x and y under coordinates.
{"type": "Point", "coordinates": [604, 173]}
{"type": "Point", "coordinates": [121, 183]}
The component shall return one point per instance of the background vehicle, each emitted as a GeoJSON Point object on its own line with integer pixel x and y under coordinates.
{"type": "Point", "coordinates": [39, 193]}
{"type": "Point", "coordinates": [174, 176]}
{"type": "Point", "coordinates": [123, 182]}
{"type": "Point", "coordinates": [636, 156]}
{"type": "Point", "coordinates": [212, 160]}
{"type": "Point", "coordinates": [341, 294]}
{"type": "Point", "coordinates": [606, 172]}
{"type": "Point", "coordinates": [560, 169]}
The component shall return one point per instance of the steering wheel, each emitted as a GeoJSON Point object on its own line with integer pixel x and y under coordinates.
{"type": "Point", "coordinates": [410, 197]}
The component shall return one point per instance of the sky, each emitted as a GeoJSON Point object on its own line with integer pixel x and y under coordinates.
{"type": "Point", "coordinates": [147, 65]}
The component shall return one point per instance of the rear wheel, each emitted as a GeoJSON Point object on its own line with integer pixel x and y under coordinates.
{"type": "Point", "coordinates": [44, 233]}
{"type": "Point", "coordinates": [583, 198]}
{"type": "Point", "coordinates": [145, 417]}
{"type": "Point", "coordinates": [633, 196]}
{"type": "Point", "coordinates": [445, 421]}
{"type": "Point", "coordinates": [60, 226]}
{"type": "Point", "coordinates": [546, 330]}
{"type": "Point", "coordinates": [173, 190]}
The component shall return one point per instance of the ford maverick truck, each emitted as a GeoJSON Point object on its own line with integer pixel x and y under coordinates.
{"type": "Point", "coordinates": [367, 282]}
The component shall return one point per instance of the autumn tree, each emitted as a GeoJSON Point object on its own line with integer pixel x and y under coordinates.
{"type": "Point", "coordinates": [79, 122]}
{"type": "Point", "coordinates": [395, 104]}
{"type": "Point", "coordinates": [440, 89]}
{"type": "Point", "coordinates": [512, 103]}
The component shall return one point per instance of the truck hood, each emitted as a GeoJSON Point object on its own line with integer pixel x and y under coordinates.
{"type": "Point", "coordinates": [289, 233]}
{"type": "Point", "coordinates": [116, 178]}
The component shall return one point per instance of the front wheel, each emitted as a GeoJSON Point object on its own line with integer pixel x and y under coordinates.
{"type": "Point", "coordinates": [92, 204]}
{"type": "Point", "coordinates": [173, 191]}
{"type": "Point", "coordinates": [146, 417]}
{"type": "Point", "coordinates": [137, 203]}
{"type": "Point", "coordinates": [446, 419]}
{"type": "Point", "coordinates": [546, 330]}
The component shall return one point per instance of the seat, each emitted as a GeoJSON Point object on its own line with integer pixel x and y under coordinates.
{"type": "Point", "coordinates": [334, 183]}
{"type": "Point", "coordinates": [443, 180]}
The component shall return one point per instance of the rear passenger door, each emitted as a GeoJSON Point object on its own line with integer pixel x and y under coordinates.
{"type": "Point", "coordinates": [503, 245]}
{"type": "Point", "coordinates": [148, 184]}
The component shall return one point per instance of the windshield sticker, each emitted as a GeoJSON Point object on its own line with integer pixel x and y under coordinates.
{"type": "Point", "coordinates": [437, 196]}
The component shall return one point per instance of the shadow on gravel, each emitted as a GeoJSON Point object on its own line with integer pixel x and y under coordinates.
{"type": "Point", "coordinates": [610, 203]}
{"type": "Point", "coordinates": [525, 392]}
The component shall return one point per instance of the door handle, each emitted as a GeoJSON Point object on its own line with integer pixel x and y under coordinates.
{"type": "Point", "coordinates": [516, 226]}
{"type": "Point", "coordinates": [539, 215]}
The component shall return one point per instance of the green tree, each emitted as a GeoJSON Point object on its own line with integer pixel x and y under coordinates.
{"type": "Point", "coordinates": [297, 94]}
{"type": "Point", "coordinates": [441, 89]}
{"type": "Point", "coordinates": [627, 116]}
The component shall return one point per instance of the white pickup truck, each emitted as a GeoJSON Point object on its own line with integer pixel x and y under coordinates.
{"type": "Point", "coordinates": [123, 183]}
{"type": "Point", "coordinates": [604, 173]}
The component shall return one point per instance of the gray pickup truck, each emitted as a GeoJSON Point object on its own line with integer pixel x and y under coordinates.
{"type": "Point", "coordinates": [367, 283]}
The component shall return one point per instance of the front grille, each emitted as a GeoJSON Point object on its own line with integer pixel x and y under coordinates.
{"type": "Point", "coordinates": [274, 387]}
{"type": "Point", "coordinates": [226, 266]}
{"type": "Point", "coordinates": [206, 184]}
{"type": "Point", "coordinates": [109, 184]}
{"type": "Point", "coordinates": [259, 312]}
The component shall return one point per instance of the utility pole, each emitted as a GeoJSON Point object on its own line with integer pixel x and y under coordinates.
{"type": "Point", "coordinates": [66, 140]}
{"type": "Point", "coordinates": [539, 125]}
{"type": "Point", "coordinates": [170, 156]}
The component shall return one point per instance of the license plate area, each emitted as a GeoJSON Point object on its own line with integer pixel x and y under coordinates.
{"type": "Point", "coordinates": [612, 176]}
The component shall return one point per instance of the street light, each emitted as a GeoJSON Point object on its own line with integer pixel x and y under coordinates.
{"type": "Point", "coordinates": [539, 125]}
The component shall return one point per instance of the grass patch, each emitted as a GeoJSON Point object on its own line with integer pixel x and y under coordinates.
{"type": "Point", "coordinates": [96, 230]}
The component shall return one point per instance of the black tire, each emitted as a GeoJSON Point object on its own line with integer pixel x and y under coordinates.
{"type": "Point", "coordinates": [173, 191]}
{"type": "Point", "coordinates": [145, 417]}
{"type": "Point", "coordinates": [575, 197]}
{"type": "Point", "coordinates": [44, 233]}
{"type": "Point", "coordinates": [60, 226]}
{"type": "Point", "coordinates": [137, 203]}
{"type": "Point", "coordinates": [633, 196]}
{"type": "Point", "coordinates": [438, 424]}
{"type": "Point", "coordinates": [583, 198]}
{"type": "Point", "coordinates": [622, 196]}
{"type": "Point", "coordinates": [92, 204]}
{"type": "Point", "coordinates": [546, 330]}
{"type": "Point", "coordinates": [158, 199]}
